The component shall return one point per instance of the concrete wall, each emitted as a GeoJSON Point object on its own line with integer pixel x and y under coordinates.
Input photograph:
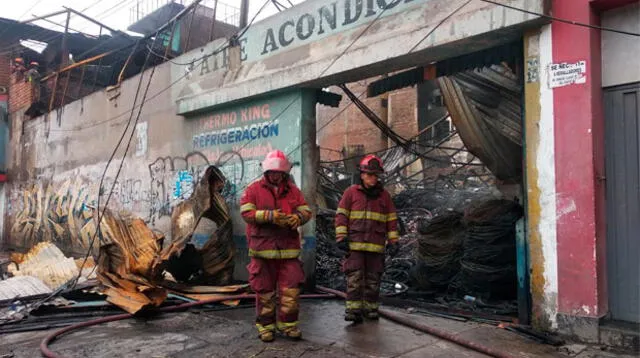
{"type": "Point", "coordinates": [565, 172]}
{"type": "Point", "coordinates": [540, 179]}
{"type": "Point", "coordinates": [56, 162]}
{"type": "Point", "coordinates": [579, 163]}
{"type": "Point", "coordinates": [620, 52]}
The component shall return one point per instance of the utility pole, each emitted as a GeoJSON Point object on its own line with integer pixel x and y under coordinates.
{"type": "Point", "coordinates": [244, 13]}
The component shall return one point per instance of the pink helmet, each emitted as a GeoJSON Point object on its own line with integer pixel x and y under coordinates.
{"type": "Point", "coordinates": [371, 164]}
{"type": "Point", "coordinates": [276, 161]}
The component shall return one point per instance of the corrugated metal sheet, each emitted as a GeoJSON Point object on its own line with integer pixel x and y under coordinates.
{"type": "Point", "coordinates": [219, 251]}
{"type": "Point", "coordinates": [46, 262]}
{"type": "Point", "coordinates": [22, 286]}
{"type": "Point", "coordinates": [485, 106]}
{"type": "Point", "coordinates": [132, 260]}
{"type": "Point", "coordinates": [126, 263]}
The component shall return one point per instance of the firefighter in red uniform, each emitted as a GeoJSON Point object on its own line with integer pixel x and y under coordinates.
{"type": "Point", "coordinates": [365, 219]}
{"type": "Point", "coordinates": [274, 208]}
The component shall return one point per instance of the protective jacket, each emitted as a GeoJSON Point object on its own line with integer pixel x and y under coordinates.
{"type": "Point", "coordinates": [367, 221]}
{"type": "Point", "coordinates": [267, 240]}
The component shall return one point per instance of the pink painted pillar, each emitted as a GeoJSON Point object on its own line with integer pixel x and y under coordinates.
{"type": "Point", "coordinates": [579, 162]}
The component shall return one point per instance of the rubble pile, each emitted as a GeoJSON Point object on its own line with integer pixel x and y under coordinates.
{"type": "Point", "coordinates": [133, 261]}
{"type": "Point", "coordinates": [128, 252]}
{"type": "Point", "coordinates": [469, 254]}
{"type": "Point", "coordinates": [46, 262]}
{"type": "Point", "coordinates": [135, 270]}
{"type": "Point", "coordinates": [212, 264]}
{"type": "Point", "coordinates": [488, 264]}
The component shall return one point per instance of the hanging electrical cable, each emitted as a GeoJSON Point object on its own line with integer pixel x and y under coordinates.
{"type": "Point", "coordinates": [566, 21]}
{"type": "Point", "coordinates": [100, 215]}
{"type": "Point", "coordinates": [356, 99]}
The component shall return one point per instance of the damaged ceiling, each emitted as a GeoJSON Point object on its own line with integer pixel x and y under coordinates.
{"type": "Point", "coordinates": [485, 107]}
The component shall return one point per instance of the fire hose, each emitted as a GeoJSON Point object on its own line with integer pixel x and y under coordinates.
{"type": "Point", "coordinates": [44, 345]}
{"type": "Point", "coordinates": [328, 293]}
{"type": "Point", "coordinates": [395, 317]}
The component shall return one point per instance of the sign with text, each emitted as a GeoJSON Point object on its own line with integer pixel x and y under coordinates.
{"type": "Point", "coordinates": [565, 74]}
{"type": "Point", "coordinates": [238, 137]}
{"type": "Point", "coordinates": [305, 23]}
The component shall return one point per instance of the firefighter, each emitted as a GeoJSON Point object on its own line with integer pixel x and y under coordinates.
{"type": "Point", "coordinates": [366, 219]}
{"type": "Point", "coordinates": [18, 65]}
{"type": "Point", "coordinates": [273, 208]}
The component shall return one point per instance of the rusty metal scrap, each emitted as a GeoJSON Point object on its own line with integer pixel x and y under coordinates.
{"type": "Point", "coordinates": [218, 252]}
{"type": "Point", "coordinates": [132, 262]}
{"type": "Point", "coordinates": [125, 267]}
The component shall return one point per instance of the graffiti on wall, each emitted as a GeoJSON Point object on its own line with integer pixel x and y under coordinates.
{"type": "Point", "coordinates": [58, 207]}
{"type": "Point", "coordinates": [130, 194]}
{"type": "Point", "coordinates": [173, 179]}
{"type": "Point", "coordinates": [59, 212]}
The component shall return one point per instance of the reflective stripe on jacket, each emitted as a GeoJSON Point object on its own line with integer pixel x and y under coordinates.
{"type": "Point", "coordinates": [267, 240]}
{"type": "Point", "coordinates": [368, 222]}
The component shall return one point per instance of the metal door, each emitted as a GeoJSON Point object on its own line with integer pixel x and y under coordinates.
{"type": "Point", "coordinates": [622, 130]}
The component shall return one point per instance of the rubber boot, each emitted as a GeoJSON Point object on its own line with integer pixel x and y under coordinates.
{"type": "Point", "coordinates": [267, 336]}
{"type": "Point", "coordinates": [353, 316]}
{"type": "Point", "coordinates": [292, 332]}
{"type": "Point", "coordinates": [372, 315]}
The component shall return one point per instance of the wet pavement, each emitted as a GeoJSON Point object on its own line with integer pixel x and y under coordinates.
{"type": "Point", "coordinates": [231, 333]}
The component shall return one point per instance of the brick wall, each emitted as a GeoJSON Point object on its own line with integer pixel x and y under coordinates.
{"type": "Point", "coordinates": [403, 115]}
{"type": "Point", "coordinates": [351, 127]}
{"type": "Point", "coordinates": [4, 71]}
{"type": "Point", "coordinates": [20, 93]}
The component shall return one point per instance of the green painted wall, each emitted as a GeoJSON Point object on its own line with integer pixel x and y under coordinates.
{"type": "Point", "coordinates": [237, 137]}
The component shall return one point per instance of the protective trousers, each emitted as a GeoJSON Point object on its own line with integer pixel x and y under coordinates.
{"type": "Point", "coordinates": [363, 271]}
{"type": "Point", "coordinates": [267, 275]}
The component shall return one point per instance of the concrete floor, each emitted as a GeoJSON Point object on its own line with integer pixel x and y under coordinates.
{"type": "Point", "coordinates": [232, 334]}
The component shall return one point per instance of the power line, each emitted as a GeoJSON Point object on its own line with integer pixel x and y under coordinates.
{"type": "Point", "coordinates": [90, 6]}
{"type": "Point", "coordinates": [439, 24]}
{"type": "Point", "coordinates": [353, 42]}
{"type": "Point", "coordinates": [323, 72]}
{"type": "Point", "coordinates": [115, 150]}
{"type": "Point", "coordinates": [215, 52]}
{"type": "Point", "coordinates": [143, 101]}
{"type": "Point", "coordinates": [21, 16]}
{"type": "Point", "coordinates": [557, 19]}
{"type": "Point", "coordinates": [104, 174]}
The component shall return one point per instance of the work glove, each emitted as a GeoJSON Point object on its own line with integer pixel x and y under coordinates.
{"type": "Point", "coordinates": [343, 243]}
{"type": "Point", "coordinates": [279, 218]}
{"type": "Point", "coordinates": [294, 221]}
{"type": "Point", "coordinates": [394, 248]}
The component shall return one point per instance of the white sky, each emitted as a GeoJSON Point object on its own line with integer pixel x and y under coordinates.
{"type": "Point", "coordinates": [113, 13]}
